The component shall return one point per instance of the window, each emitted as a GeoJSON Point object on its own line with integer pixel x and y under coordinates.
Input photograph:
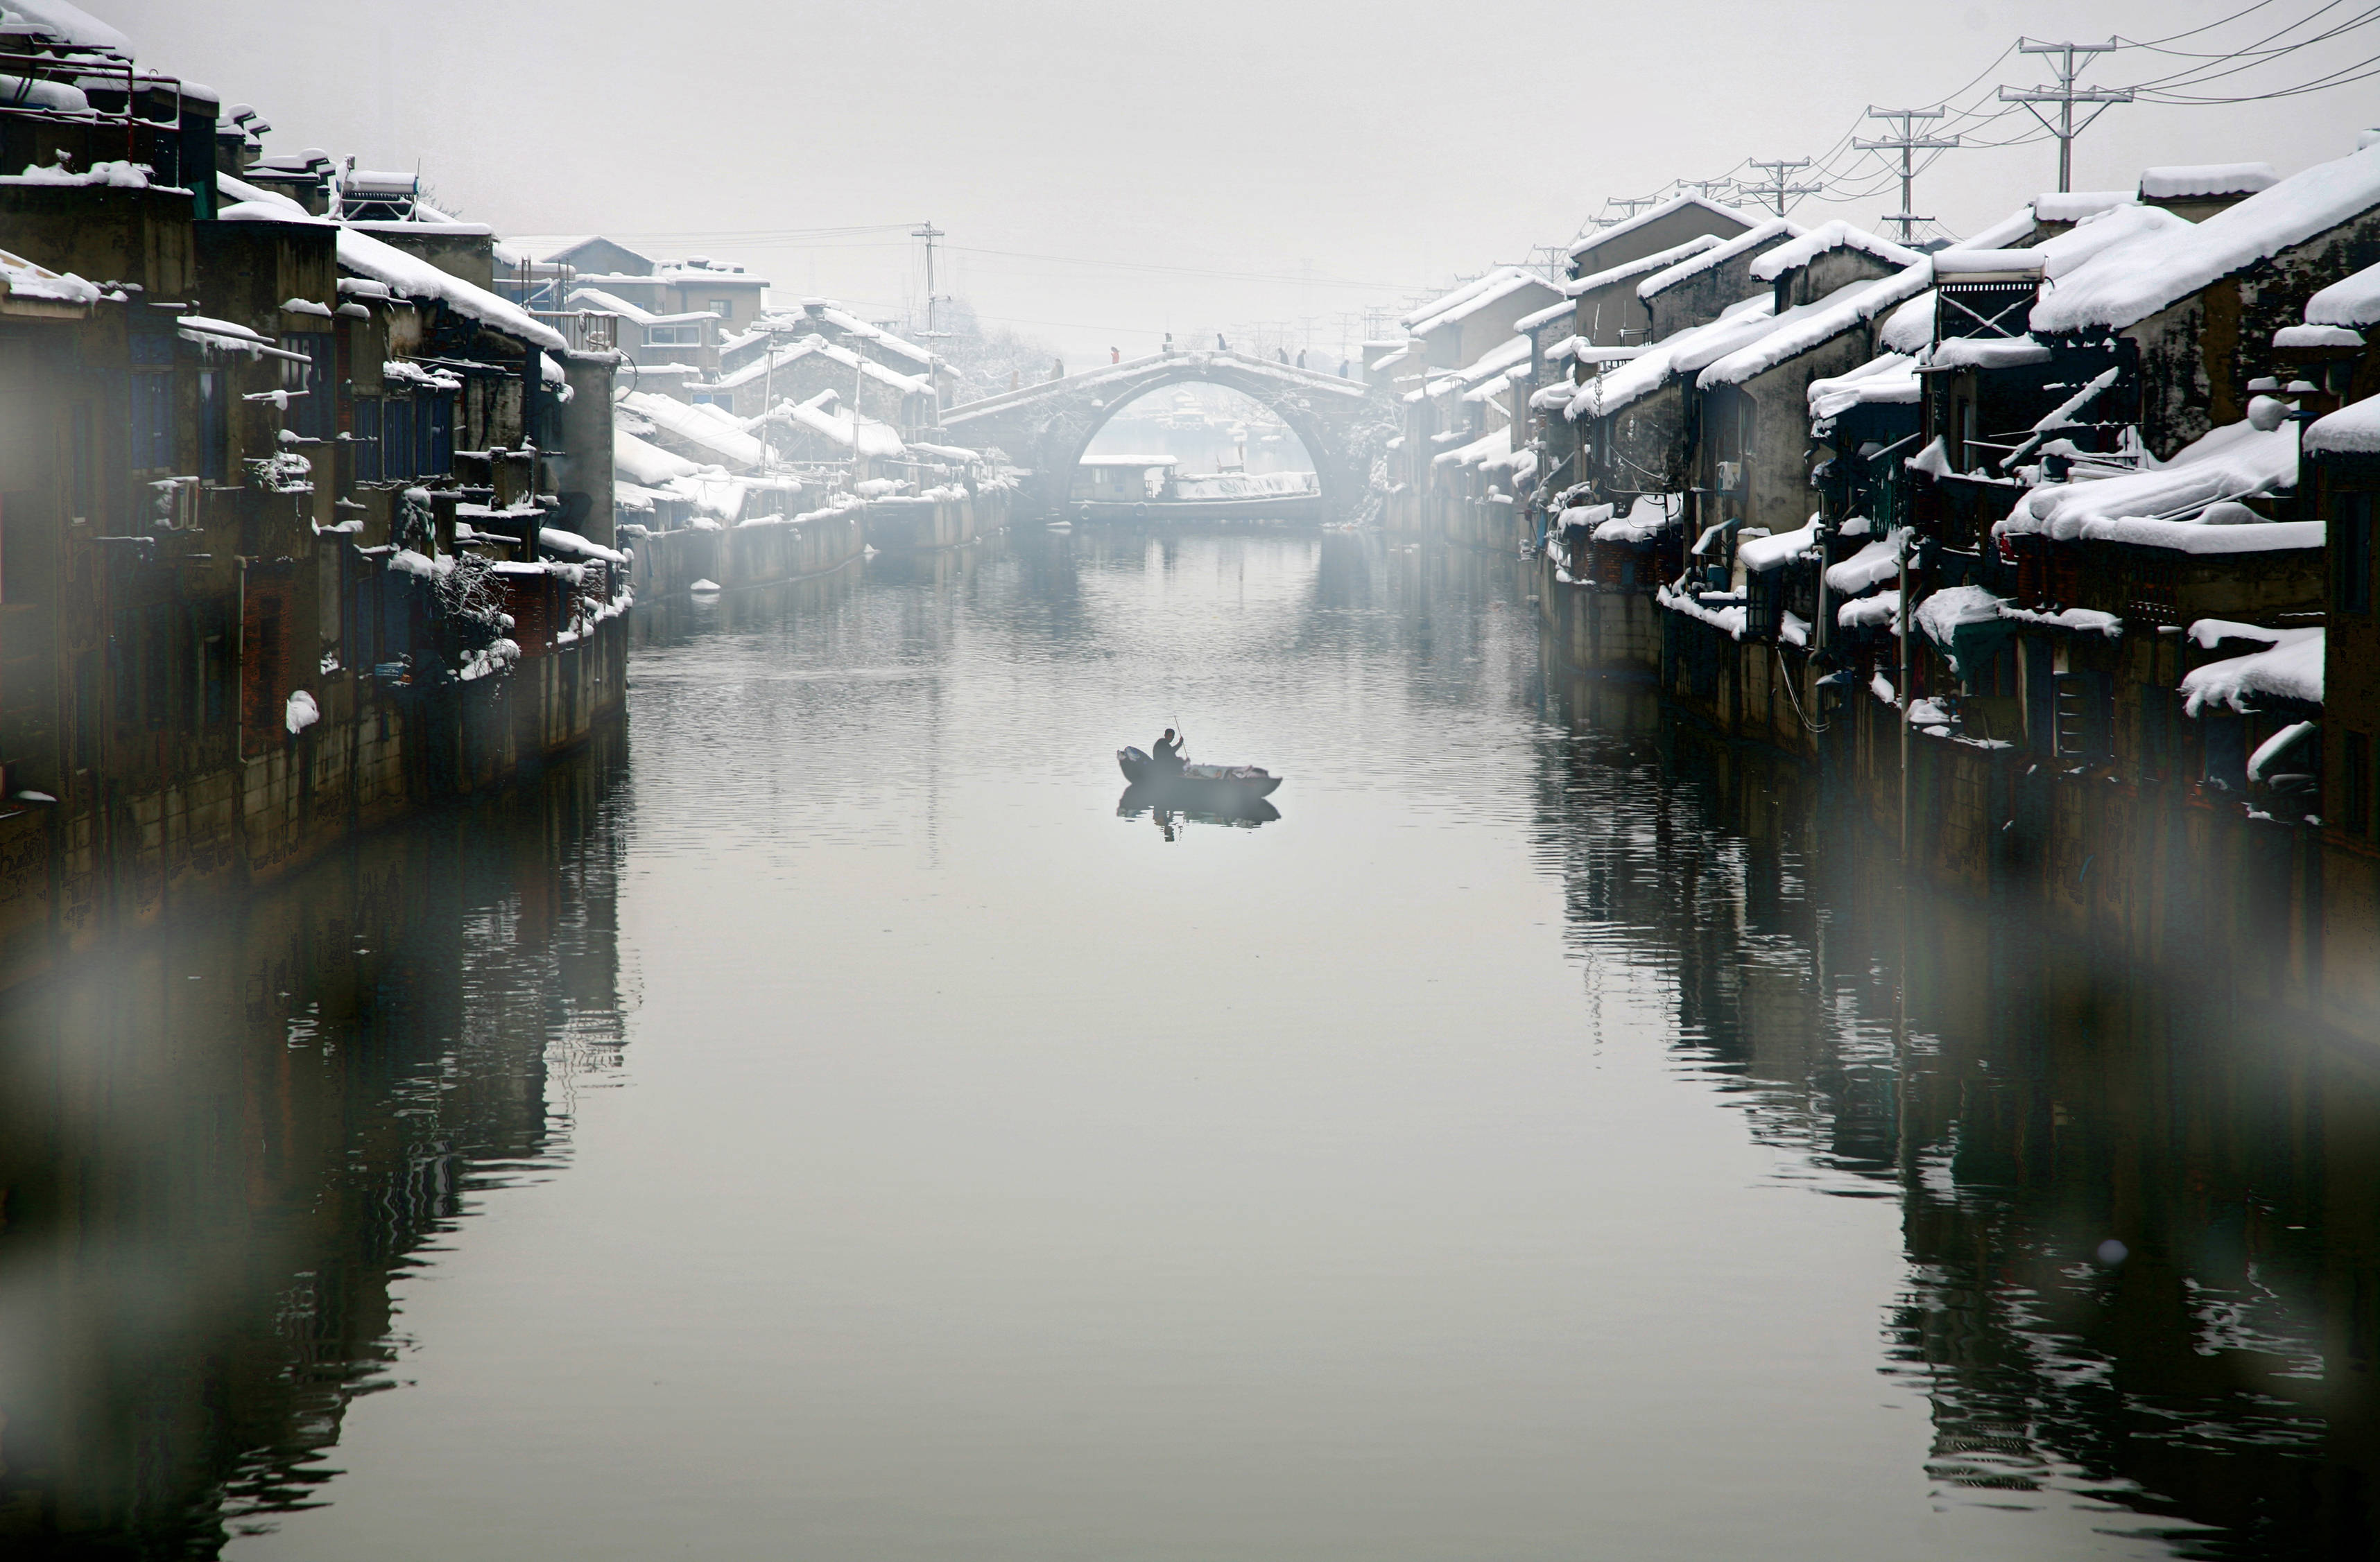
{"type": "Point", "coordinates": [674, 335]}
{"type": "Point", "coordinates": [2352, 551]}
{"type": "Point", "coordinates": [396, 439]}
{"type": "Point", "coordinates": [438, 453]}
{"type": "Point", "coordinates": [724, 309]}
{"type": "Point", "coordinates": [152, 418]}
{"type": "Point", "coordinates": [366, 439]}
{"type": "Point", "coordinates": [310, 414]}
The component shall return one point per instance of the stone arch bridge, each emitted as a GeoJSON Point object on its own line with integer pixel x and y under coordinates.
{"type": "Point", "coordinates": [1344, 426]}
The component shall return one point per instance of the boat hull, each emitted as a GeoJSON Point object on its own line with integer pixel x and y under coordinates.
{"type": "Point", "coordinates": [1208, 786]}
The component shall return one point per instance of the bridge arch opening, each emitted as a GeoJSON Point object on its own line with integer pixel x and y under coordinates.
{"type": "Point", "coordinates": [1344, 426]}
{"type": "Point", "coordinates": [1206, 429]}
{"type": "Point", "coordinates": [1302, 437]}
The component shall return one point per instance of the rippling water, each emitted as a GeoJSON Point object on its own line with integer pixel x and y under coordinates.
{"type": "Point", "coordinates": [818, 1122]}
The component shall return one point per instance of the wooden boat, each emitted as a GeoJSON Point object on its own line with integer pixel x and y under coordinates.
{"type": "Point", "coordinates": [1212, 786]}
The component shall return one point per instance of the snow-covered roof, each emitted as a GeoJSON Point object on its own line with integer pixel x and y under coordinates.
{"type": "Point", "coordinates": [21, 278]}
{"type": "Point", "coordinates": [1799, 329]}
{"type": "Point", "coordinates": [2353, 301]}
{"type": "Point", "coordinates": [1468, 300]}
{"type": "Point", "coordinates": [1761, 554]}
{"type": "Point", "coordinates": [1660, 260]}
{"type": "Point", "coordinates": [1717, 255]}
{"type": "Point", "coordinates": [2353, 430]}
{"type": "Point", "coordinates": [2191, 503]}
{"type": "Point", "coordinates": [864, 434]}
{"type": "Point", "coordinates": [1545, 317]}
{"type": "Point", "coordinates": [641, 461]}
{"type": "Point", "coordinates": [543, 248]}
{"type": "Point", "coordinates": [1911, 329]}
{"type": "Point", "coordinates": [596, 299]}
{"type": "Point", "coordinates": [1650, 369]}
{"type": "Point", "coordinates": [1489, 446]}
{"type": "Point", "coordinates": [850, 324]}
{"type": "Point", "coordinates": [402, 273]}
{"type": "Point", "coordinates": [2291, 670]}
{"type": "Point", "coordinates": [2067, 206]}
{"type": "Point", "coordinates": [1888, 378]}
{"type": "Point", "coordinates": [818, 346]}
{"type": "Point", "coordinates": [701, 426]}
{"type": "Point", "coordinates": [2206, 180]}
{"type": "Point", "coordinates": [1654, 214]}
{"type": "Point", "coordinates": [1836, 234]}
{"type": "Point", "coordinates": [2123, 289]}
{"type": "Point", "coordinates": [69, 24]}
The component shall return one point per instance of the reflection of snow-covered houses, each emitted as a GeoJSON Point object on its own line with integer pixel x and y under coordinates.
{"type": "Point", "coordinates": [797, 368]}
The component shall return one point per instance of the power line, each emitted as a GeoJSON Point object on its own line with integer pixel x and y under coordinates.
{"type": "Point", "coordinates": [1780, 190]}
{"type": "Point", "coordinates": [1906, 143]}
{"type": "Point", "coordinates": [2065, 94]}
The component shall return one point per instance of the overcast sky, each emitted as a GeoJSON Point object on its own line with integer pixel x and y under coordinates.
{"type": "Point", "coordinates": [1107, 171]}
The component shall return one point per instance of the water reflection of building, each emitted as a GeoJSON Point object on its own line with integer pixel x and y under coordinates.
{"type": "Point", "coordinates": [218, 1148]}
{"type": "Point", "coordinates": [2036, 1098]}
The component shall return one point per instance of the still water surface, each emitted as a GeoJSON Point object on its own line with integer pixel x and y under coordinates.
{"type": "Point", "coordinates": [819, 1123]}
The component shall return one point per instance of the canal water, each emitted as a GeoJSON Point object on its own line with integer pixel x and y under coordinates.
{"type": "Point", "coordinates": [821, 1122]}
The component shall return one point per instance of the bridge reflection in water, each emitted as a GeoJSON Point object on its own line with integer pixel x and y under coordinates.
{"type": "Point", "coordinates": [215, 1186]}
{"type": "Point", "coordinates": [220, 1146]}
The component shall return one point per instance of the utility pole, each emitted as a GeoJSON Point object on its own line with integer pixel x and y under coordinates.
{"type": "Point", "coordinates": [1631, 205]}
{"type": "Point", "coordinates": [1906, 143]}
{"type": "Point", "coordinates": [929, 232]}
{"type": "Point", "coordinates": [1704, 187]}
{"type": "Point", "coordinates": [1780, 191]}
{"type": "Point", "coordinates": [2066, 60]}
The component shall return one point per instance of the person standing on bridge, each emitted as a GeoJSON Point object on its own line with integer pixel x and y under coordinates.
{"type": "Point", "coordinates": [1115, 354]}
{"type": "Point", "coordinates": [1222, 345]}
{"type": "Point", "coordinates": [1282, 353]}
{"type": "Point", "coordinates": [1301, 358]}
{"type": "Point", "coordinates": [1058, 369]}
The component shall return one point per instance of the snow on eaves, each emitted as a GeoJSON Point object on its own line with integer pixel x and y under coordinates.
{"type": "Point", "coordinates": [1549, 315]}
{"type": "Point", "coordinates": [2291, 670]}
{"type": "Point", "coordinates": [2064, 206]}
{"type": "Point", "coordinates": [2190, 505]}
{"type": "Point", "coordinates": [1654, 214]}
{"type": "Point", "coordinates": [1660, 260]}
{"type": "Point", "coordinates": [21, 278]}
{"type": "Point", "coordinates": [1499, 284]}
{"type": "Point", "coordinates": [2352, 301]}
{"type": "Point", "coordinates": [1886, 378]}
{"type": "Point", "coordinates": [2206, 180]}
{"type": "Point", "coordinates": [1647, 372]}
{"type": "Point", "coordinates": [1813, 325]}
{"type": "Point", "coordinates": [2117, 227]}
{"type": "Point", "coordinates": [698, 426]}
{"type": "Point", "coordinates": [1836, 234]}
{"type": "Point", "coordinates": [401, 273]}
{"type": "Point", "coordinates": [2353, 430]}
{"type": "Point", "coordinates": [1717, 255]}
{"type": "Point", "coordinates": [611, 303]}
{"type": "Point", "coordinates": [2122, 289]}
{"type": "Point", "coordinates": [68, 24]}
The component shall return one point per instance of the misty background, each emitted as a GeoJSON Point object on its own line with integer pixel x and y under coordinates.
{"type": "Point", "coordinates": [1106, 173]}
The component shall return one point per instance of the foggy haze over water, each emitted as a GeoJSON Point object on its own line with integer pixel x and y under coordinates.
{"type": "Point", "coordinates": [1069, 148]}
{"type": "Point", "coordinates": [817, 1121]}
